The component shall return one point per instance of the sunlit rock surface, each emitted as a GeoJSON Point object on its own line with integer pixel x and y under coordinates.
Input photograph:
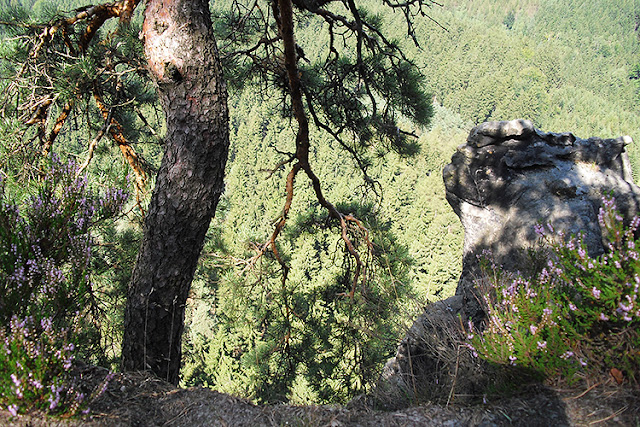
{"type": "Point", "coordinates": [508, 177]}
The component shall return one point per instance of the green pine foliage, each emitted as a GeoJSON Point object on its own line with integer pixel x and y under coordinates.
{"type": "Point", "coordinates": [564, 67]}
{"type": "Point", "coordinates": [302, 340]}
{"type": "Point", "coordinates": [567, 68]}
{"type": "Point", "coordinates": [62, 74]}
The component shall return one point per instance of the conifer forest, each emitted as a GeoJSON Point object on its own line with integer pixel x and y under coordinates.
{"type": "Point", "coordinates": [298, 264]}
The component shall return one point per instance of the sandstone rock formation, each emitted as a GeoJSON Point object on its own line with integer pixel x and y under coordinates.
{"type": "Point", "coordinates": [510, 176]}
{"type": "Point", "coordinates": [507, 178]}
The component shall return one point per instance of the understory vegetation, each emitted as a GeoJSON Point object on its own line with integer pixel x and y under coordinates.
{"type": "Point", "coordinates": [70, 231]}
{"type": "Point", "coordinates": [49, 305]}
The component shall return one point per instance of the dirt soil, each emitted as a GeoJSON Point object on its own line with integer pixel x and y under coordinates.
{"type": "Point", "coordinates": [142, 400]}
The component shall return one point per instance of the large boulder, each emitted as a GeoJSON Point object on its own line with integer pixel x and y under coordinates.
{"type": "Point", "coordinates": [508, 177]}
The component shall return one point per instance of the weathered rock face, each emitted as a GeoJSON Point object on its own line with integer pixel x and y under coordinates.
{"type": "Point", "coordinates": [510, 176]}
{"type": "Point", "coordinates": [507, 178]}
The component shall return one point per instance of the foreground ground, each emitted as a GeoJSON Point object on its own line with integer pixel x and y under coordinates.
{"type": "Point", "coordinates": [141, 400]}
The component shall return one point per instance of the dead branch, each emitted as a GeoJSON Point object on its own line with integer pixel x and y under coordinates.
{"type": "Point", "coordinates": [57, 127]}
{"type": "Point", "coordinates": [278, 166]}
{"type": "Point", "coordinates": [94, 142]}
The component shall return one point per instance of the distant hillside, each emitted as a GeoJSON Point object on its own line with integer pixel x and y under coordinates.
{"type": "Point", "coordinates": [564, 64]}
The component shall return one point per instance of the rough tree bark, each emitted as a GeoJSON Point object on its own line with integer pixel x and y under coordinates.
{"type": "Point", "coordinates": [183, 59]}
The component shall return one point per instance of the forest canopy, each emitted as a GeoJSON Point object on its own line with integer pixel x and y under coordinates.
{"type": "Point", "coordinates": [566, 68]}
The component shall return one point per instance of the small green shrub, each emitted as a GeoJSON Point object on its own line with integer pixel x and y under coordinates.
{"type": "Point", "coordinates": [46, 244]}
{"type": "Point", "coordinates": [579, 314]}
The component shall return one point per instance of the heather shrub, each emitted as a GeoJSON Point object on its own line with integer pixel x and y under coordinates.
{"type": "Point", "coordinates": [45, 245]}
{"type": "Point", "coordinates": [579, 316]}
{"type": "Point", "coordinates": [37, 360]}
{"type": "Point", "coordinates": [47, 302]}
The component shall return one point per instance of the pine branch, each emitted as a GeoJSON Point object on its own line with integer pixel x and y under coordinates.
{"type": "Point", "coordinates": [137, 164]}
{"type": "Point", "coordinates": [285, 22]}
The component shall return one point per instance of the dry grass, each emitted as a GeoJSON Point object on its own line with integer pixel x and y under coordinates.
{"type": "Point", "coordinates": [138, 399]}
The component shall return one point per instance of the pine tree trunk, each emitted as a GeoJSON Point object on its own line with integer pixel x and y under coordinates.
{"type": "Point", "coordinates": [183, 59]}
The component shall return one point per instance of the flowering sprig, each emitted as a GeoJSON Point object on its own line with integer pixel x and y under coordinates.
{"type": "Point", "coordinates": [607, 286]}
{"type": "Point", "coordinates": [45, 244]}
{"type": "Point", "coordinates": [579, 313]}
{"type": "Point", "coordinates": [36, 360]}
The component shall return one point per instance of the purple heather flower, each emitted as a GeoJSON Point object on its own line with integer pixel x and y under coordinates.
{"type": "Point", "coordinates": [13, 409]}
{"type": "Point", "coordinates": [603, 317]}
{"type": "Point", "coordinates": [582, 253]}
{"type": "Point", "coordinates": [566, 354]}
{"type": "Point", "coordinates": [596, 292]}
{"type": "Point", "coordinates": [111, 375]}
{"type": "Point", "coordinates": [542, 345]}
{"type": "Point", "coordinates": [601, 219]}
{"type": "Point", "coordinates": [572, 306]}
{"type": "Point", "coordinates": [474, 353]}
{"type": "Point", "coordinates": [67, 363]}
{"type": "Point", "coordinates": [15, 380]}
{"type": "Point", "coordinates": [533, 329]}
{"type": "Point", "coordinates": [608, 202]}
{"type": "Point", "coordinates": [46, 324]}
{"type": "Point", "coordinates": [54, 397]}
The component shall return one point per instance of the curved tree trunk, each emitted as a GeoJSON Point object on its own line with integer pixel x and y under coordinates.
{"type": "Point", "coordinates": [183, 59]}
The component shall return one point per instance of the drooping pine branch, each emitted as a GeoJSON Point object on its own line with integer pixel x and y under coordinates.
{"type": "Point", "coordinates": [62, 51]}
{"type": "Point", "coordinates": [284, 10]}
